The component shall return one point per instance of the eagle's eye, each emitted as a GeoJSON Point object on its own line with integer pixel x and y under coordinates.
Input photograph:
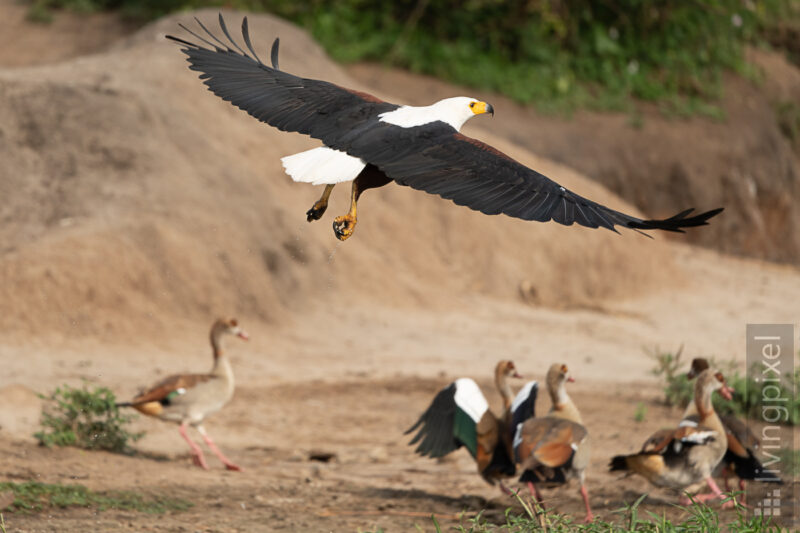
{"type": "Point", "coordinates": [472, 104]}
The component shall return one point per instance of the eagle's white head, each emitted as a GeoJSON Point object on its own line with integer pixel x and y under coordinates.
{"type": "Point", "coordinates": [454, 111]}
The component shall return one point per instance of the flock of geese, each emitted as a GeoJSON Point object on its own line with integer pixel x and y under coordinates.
{"type": "Point", "coordinates": [546, 450]}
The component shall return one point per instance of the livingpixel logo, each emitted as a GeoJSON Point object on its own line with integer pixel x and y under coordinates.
{"type": "Point", "coordinates": [771, 362]}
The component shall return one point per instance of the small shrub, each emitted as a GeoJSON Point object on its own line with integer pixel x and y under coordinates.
{"type": "Point", "coordinates": [669, 367]}
{"type": "Point", "coordinates": [85, 418]}
{"type": "Point", "coordinates": [749, 393]}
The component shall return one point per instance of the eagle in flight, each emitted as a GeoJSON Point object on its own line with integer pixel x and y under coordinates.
{"type": "Point", "coordinates": [371, 143]}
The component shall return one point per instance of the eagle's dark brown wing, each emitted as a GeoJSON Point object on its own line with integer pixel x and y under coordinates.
{"type": "Point", "coordinates": [433, 157]}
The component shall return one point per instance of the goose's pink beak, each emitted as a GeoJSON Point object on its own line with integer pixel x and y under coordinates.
{"type": "Point", "coordinates": [243, 335]}
{"type": "Point", "coordinates": [726, 392]}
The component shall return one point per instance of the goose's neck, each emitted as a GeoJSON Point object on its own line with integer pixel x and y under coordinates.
{"type": "Point", "coordinates": [708, 416]}
{"type": "Point", "coordinates": [558, 395]}
{"type": "Point", "coordinates": [702, 402]}
{"type": "Point", "coordinates": [562, 404]}
{"type": "Point", "coordinates": [222, 367]}
{"type": "Point", "coordinates": [501, 381]}
{"type": "Point", "coordinates": [219, 354]}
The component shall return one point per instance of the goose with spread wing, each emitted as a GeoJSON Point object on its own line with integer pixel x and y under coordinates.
{"type": "Point", "coordinates": [459, 416]}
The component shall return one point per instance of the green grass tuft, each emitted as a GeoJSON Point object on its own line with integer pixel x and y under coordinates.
{"type": "Point", "coordinates": [85, 418]}
{"type": "Point", "coordinates": [631, 518]}
{"type": "Point", "coordinates": [33, 496]}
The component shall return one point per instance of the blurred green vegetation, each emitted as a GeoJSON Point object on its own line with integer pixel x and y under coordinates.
{"type": "Point", "coordinates": [632, 518]}
{"type": "Point", "coordinates": [85, 418]}
{"type": "Point", "coordinates": [33, 496]}
{"type": "Point", "coordinates": [556, 54]}
{"type": "Point", "coordinates": [748, 397]}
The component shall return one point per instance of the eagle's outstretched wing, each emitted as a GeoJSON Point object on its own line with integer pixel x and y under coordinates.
{"type": "Point", "coordinates": [434, 157]}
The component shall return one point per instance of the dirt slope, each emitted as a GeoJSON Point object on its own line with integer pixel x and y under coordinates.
{"type": "Point", "coordinates": [67, 35]}
{"type": "Point", "coordinates": [129, 188]}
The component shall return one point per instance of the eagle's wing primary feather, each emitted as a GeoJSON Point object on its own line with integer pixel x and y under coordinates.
{"type": "Point", "coordinates": [317, 108]}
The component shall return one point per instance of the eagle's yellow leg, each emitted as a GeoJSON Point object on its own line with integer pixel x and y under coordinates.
{"type": "Point", "coordinates": [344, 225]}
{"type": "Point", "coordinates": [319, 207]}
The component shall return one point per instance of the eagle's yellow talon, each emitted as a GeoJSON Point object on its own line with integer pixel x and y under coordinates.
{"type": "Point", "coordinates": [316, 211]}
{"type": "Point", "coordinates": [319, 207]}
{"type": "Point", "coordinates": [344, 226]}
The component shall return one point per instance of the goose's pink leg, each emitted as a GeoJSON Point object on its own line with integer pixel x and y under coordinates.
{"type": "Point", "coordinates": [213, 447]}
{"type": "Point", "coordinates": [505, 490]}
{"type": "Point", "coordinates": [715, 493]}
{"type": "Point", "coordinates": [741, 496]}
{"type": "Point", "coordinates": [585, 495]}
{"type": "Point", "coordinates": [725, 476]}
{"type": "Point", "coordinates": [197, 453]}
{"type": "Point", "coordinates": [535, 493]}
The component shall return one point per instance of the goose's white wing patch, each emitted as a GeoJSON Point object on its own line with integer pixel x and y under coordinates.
{"type": "Point", "coordinates": [470, 399]}
{"type": "Point", "coordinates": [522, 395]}
{"type": "Point", "coordinates": [517, 438]}
{"type": "Point", "coordinates": [700, 437]}
{"type": "Point", "coordinates": [322, 166]}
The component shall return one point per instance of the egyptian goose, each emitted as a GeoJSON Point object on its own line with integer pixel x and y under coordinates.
{"type": "Point", "coordinates": [554, 448]}
{"type": "Point", "coordinates": [459, 416]}
{"type": "Point", "coordinates": [688, 454]}
{"type": "Point", "coordinates": [188, 398]}
{"type": "Point", "coordinates": [740, 459]}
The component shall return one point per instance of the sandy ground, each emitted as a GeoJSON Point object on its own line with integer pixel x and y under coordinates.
{"type": "Point", "coordinates": [138, 207]}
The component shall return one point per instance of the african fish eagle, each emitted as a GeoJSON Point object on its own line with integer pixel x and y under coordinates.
{"type": "Point", "coordinates": [372, 143]}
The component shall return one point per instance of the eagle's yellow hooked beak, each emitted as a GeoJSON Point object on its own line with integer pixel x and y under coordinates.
{"type": "Point", "coordinates": [480, 108]}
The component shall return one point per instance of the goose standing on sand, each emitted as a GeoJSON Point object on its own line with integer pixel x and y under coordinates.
{"type": "Point", "coordinates": [188, 398]}
{"type": "Point", "coordinates": [740, 457]}
{"type": "Point", "coordinates": [554, 448]}
{"type": "Point", "coordinates": [690, 453]}
{"type": "Point", "coordinates": [459, 416]}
